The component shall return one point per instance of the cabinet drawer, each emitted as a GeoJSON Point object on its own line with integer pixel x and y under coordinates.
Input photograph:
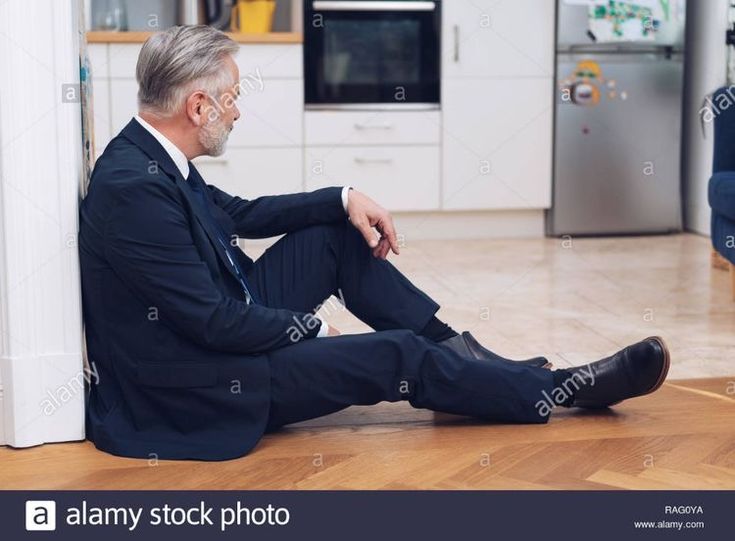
{"type": "Point", "coordinates": [250, 173]}
{"type": "Point", "coordinates": [371, 127]}
{"type": "Point", "coordinates": [405, 178]}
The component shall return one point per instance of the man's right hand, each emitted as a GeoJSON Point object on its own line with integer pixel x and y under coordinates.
{"type": "Point", "coordinates": [365, 214]}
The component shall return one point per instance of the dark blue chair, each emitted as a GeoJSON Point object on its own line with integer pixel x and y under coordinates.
{"type": "Point", "coordinates": [722, 183]}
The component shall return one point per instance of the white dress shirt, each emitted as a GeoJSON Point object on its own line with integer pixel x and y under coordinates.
{"type": "Point", "coordinates": [172, 150]}
{"type": "Point", "coordinates": [179, 159]}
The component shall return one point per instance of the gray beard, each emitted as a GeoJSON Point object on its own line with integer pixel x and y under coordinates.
{"type": "Point", "coordinates": [213, 137]}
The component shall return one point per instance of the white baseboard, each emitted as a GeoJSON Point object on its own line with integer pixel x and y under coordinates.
{"type": "Point", "coordinates": [454, 225]}
{"type": "Point", "coordinates": [457, 225]}
{"type": "Point", "coordinates": [2, 416]}
{"type": "Point", "coordinates": [42, 399]}
{"type": "Point", "coordinates": [698, 219]}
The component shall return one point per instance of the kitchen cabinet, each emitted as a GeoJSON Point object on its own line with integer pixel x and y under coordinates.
{"type": "Point", "coordinates": [488, 147]}
{"type": "Point", "coordinates": [271, 60]}
{"type": "Point", "coordinates": [123, 101]}
{"type": "Point", "coordinates": [271, 116]}
{"type": "Point", "coordinates": [392, 156]}
{"type": "Point", "coordinates": [401, 178]}
{"type": "Point", "coordinates": [497, 152]}
{"type": "Point", "coordinates": [487, 38]}
{"type": "Point", "coordinates": [497, 104]}
{"type": "Point", "coordinates": [252, 172]}
{"type": "Point", "coordinates": [100, 72]}
{"type": "Point", "coordinates": [372, 127]}
{"type": "Point", "coordinates": [265, 150]}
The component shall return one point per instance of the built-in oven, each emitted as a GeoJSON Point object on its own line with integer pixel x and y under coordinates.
{"type": "Point", "coordinates": [372, 53]}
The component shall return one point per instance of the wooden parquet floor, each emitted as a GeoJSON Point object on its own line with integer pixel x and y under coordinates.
{"type": "Point", "coordinates": [682, 437]}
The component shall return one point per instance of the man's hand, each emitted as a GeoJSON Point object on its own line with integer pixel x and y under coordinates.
{"type": "Point", "coordinates": [365, 214]}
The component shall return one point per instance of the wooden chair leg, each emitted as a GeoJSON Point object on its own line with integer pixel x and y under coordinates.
{"type": "Point", "coordinates": [732, 280]}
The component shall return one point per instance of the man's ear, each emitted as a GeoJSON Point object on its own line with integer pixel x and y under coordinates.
{"type": "Point", "coordinates": [196, 108]}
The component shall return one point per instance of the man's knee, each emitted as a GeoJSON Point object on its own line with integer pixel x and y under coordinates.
{"type": "Point", "coordinates": [341, 233]}
{"type": "Point", "coordinates": [327, 230]}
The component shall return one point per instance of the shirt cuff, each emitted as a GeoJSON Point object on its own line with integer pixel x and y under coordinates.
{"type": "Point", "coordinates": [345, 195]}
{"type": "Point", "coordinates": [323, 329]}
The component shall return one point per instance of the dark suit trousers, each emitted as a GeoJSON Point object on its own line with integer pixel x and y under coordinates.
{"type": "Point", "coordinates": [319, 376]}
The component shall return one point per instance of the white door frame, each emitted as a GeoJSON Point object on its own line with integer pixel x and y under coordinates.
{"type": "Point", "coordinates": [41, 376]}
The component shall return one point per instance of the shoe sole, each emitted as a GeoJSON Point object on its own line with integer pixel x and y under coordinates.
{"type": "Point", "coordinates": [662, 375]}
{"type": "Point", "coordinates": [665, 369]}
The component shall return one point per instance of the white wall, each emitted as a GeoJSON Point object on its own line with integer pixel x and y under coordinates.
{"type": "Point", "coordinates": [706, 61]}
{"type": "Point", "coordinates": [40, 169]}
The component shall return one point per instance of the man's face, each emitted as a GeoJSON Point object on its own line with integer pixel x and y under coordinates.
{"type": "Point", "coordinates": [221, 115]}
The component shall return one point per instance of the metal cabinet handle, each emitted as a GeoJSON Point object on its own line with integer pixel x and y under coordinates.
{"type": "Point", "coordinates": [382, 5]}
{"type": "Point", "coordinates": [363, 161]}
{"type": "Point", "coordinates": [373, 126]}
{"type": "Point", "coordinates": [456, 43]}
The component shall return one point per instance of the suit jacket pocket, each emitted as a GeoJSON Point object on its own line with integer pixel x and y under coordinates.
{"type": "Point", "coordinates": [177, 374]}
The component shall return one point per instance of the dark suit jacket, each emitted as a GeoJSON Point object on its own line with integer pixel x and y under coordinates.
{"type": "Point", "coordinates": [181, 358]}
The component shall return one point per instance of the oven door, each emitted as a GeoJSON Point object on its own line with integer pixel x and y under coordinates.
{"type": "Point", "coordinates": [371, 52]}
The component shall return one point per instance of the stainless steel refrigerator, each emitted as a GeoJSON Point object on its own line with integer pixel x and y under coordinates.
{"type": "Point", "coordinates": [619, 78]}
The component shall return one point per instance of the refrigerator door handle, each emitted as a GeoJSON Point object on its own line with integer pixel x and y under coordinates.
{"type": "Point", "coordinates": [456, 42]}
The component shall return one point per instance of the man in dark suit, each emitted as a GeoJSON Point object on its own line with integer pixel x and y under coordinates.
{"type": "Point", "coordinates": [200, 349]}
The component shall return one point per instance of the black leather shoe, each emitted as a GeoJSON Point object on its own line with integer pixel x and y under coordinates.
{"type": "Point", "coordinates": [636, 370]}
{"type": "Point", "coordinates": [466, 345]}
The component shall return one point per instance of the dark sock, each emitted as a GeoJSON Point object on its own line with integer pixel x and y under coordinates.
{"type": "Point", "coordinates": [436, 330]}
{"type": "Point", "coordinates": [561, 376]}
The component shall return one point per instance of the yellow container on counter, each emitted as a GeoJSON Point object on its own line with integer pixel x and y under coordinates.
{"type": "Point", "coordinates": [253, 16]}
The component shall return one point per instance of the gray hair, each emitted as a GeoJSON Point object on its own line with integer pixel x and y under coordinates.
{"type": "Point", "coordinates": [174, 62]}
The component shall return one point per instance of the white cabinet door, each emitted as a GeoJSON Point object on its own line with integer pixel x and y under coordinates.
{"type": "Point", "coordinates": [250, 173]}
{"type": "Point", "coordinates": [101, 114]}
{"type": "Point", "coordinates": [401, 178]}
{"type": "Point", "coordinates": [271, 116]}
{"type": "Point", "coordinates": [491, 38]}
{"type": "Point", "coordinates": [270, 60]}
{"type": "Point", "coordinates": [272, 93]}
{"type": "Point", "coordinates": [97, 53]}
{"type": "Point", "coordinates": [98, 59]}
{"type": "Point", "coordinates": [497, 143]}
{"type": "Point", "coordinates": [123, 102]}
{"type": "Point", "coordinates": [123, 58]}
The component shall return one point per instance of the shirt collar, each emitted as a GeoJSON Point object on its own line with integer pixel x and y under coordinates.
{"type": "Point", "coordinates": [172, 150]}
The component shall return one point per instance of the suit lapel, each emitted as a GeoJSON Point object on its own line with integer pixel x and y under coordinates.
{"type": "Point", "coordinates": [159, 158]}
{"type": "Point", "coordinates": [202, 216]}
{"type": "Point", "coordinates": [142, 138]}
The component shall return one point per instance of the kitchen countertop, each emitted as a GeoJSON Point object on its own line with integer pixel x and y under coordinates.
{"type": "Point", "coordinates": [140, 37]}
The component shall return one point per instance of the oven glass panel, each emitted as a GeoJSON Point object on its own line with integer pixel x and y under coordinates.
{"type": "Point", "coordinates": [371, 56]}
{"type": "Point", "coordinates": [381, 52]}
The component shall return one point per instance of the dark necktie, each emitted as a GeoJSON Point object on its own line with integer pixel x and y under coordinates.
{"type": "Point", "coordinates": [198, 187]}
